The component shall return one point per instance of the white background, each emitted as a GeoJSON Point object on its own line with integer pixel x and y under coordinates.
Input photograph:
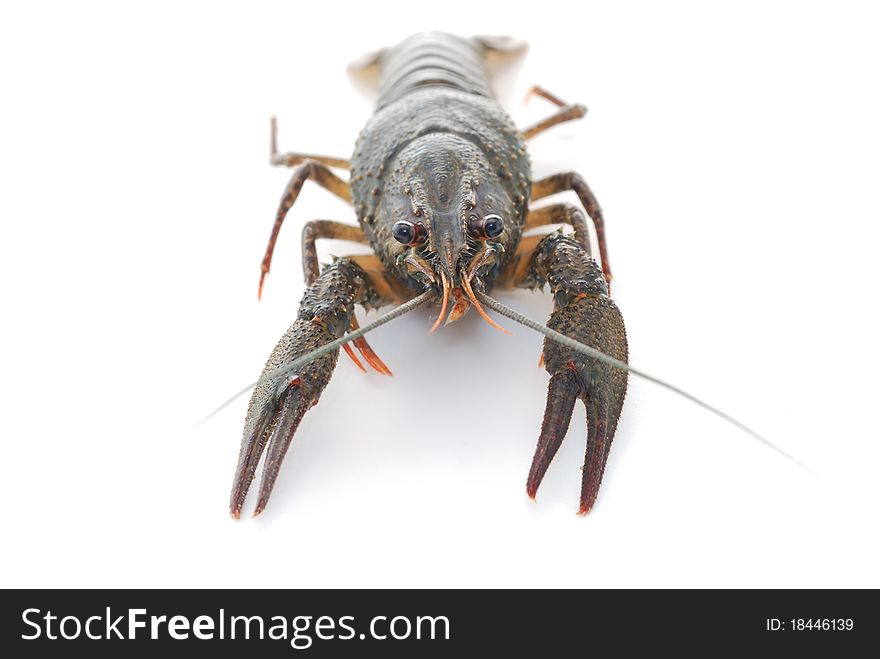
{"type": "Point", "coordinates": [735, 152]}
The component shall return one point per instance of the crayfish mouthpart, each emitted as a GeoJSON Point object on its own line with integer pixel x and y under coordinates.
{"type": "Point", "coordinates": [459, 307]}
{"type": "Point", "coordinates": [444, 304]}
{"type": "Point", "coordinates": [466, 285]}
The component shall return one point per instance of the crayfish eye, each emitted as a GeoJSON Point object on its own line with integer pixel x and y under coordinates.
{"type": "Point", "coordinates": [493, 226]}
{"type": "Point", "coordinates": [404, 232]}
{"type": "Point", "coordinates": [489, 226]}
{"type": "Point", "coordinates": [408, 233]}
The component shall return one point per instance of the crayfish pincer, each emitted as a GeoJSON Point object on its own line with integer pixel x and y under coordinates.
{"type": "Point", "coordinates": [582, 309]}
{"type": "Point", "coordinates": [441, 186]}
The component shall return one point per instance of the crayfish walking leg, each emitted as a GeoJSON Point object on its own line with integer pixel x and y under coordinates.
{"type": "Point", "coordinates": [566, 112]}
{"type": "Point", "coordinates": [321, 175]}
{"type": "Point", "coordinates": [576, 183]}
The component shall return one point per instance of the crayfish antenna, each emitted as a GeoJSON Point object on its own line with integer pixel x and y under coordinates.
{"type": "Point", "coordinates": [292, 365]}
{"type": "Point", "coordinates": [578, 346]}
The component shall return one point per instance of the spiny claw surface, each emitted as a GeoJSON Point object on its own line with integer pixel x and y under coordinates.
{"type": "Point", "coordinates": [292, 408]}
{"type": "Point", "coordinates": [278, 405]}
{"type": "Point", "coordinates": [561, 395]}
{"type": "Point", "coordinates": [584, 312]}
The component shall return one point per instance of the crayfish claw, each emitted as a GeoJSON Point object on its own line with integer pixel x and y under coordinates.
{"type": "Point", "coordinates": [601, 425]}
{"type": "Point", "coordinates": [260, 418]}
{"type": "Point", "coordinates": [584, 312]}
{"type": "Point", "coordinates": [276, 409]}
{"type": "Point", "coordinates": [292, 409]}
{"type": "Point", "coordinates": [561, 395]}
{"type": "Point", "coordinates": [279, 402]}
